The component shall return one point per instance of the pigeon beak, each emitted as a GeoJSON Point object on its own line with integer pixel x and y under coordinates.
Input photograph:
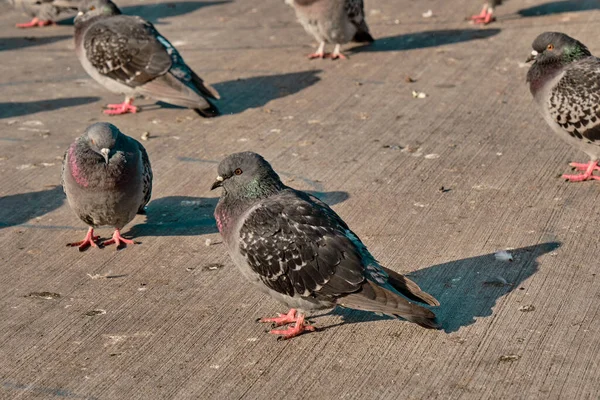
{"type": "Point", "coordinates": [105, 152]}
{"type": "Point", "coordinates": [79, 14]}
{"type": "Point", "coordinates": [532, 56]}
{"type": "Point", "coordinates": [218, 183]}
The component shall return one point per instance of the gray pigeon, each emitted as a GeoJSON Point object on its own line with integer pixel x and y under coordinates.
{"type": "Point", "coordinates": [300, 252]}
{"type": "Point", "coordinates": [487, 13]}
{"type": "Point", "coordinates": [333, 21]}
{"type": "Point", "coordinates": [107, 178]}
{"type": "Point", "coordinates": [565, 82]}
{"type": "Point", "coordinates": [44, 12]}
{"type": "Point", "coordinates": [127, 55]}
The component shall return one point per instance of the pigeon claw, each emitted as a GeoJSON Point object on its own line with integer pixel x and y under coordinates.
{"type": "Point", "coordinates": [119, 240]}
{"type": "Point", "coordinates": [121, 108]}
{"type": "Point", "coordinates": [485, 17]}
{"type": "Point", "coordinates": [90, 240]}
{"type": "Point", "coordinates": [36, 22]}
{"type": "Point", "coordinates": [320, 55]}
{"type": "Point", "coordinates": [588, 169]}
{"type": "Point", "coordinates": [299, 327]}
{"type": "Point", "coordinates": [282, 319]}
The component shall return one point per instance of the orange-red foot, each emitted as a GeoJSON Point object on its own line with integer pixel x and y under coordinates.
{"type": "Point", "coordinates": [299, 327]}
{"type": "Point", "coordinates": [335, 56]}
{"type": "Point", "coordinates": [118, 240]}
{"type": "Point", "coordinates": [121, 108]}
{"type": "Point", "coordinates": [589, 168]}
{"type": "Point", "coordinates": [36, 22]}
{"type": "Point", "coordinates": [282, 319]}
{"type": "Point", "coordinates": [484, 18]}
{"type": "Point", "coordinates": [90, 240]}
{"type": "Point", "coordinates": [318, 55]}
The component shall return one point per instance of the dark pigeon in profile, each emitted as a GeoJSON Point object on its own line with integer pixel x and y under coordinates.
{"type": "Point", "coordinates": [108, 180]}
{"type": "Point", "coordinates": [333, 21]}
{"type": "Point", "coordinates": [487, 13]}
{"type": "Point", "coordinates": [44, 12]}
{"type": "Point", "coordinates": [127, 55]}
{"type": "Point", "coordinates": [300, 252]}
{"type": "Point", "coordinates": [565, 82]}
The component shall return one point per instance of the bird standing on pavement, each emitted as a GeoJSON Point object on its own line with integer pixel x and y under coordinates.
{"type": "Point", "coordinates": [565, 82]}
{"type": "Point", "coordinates": [44, 12]}
{"type": "Point", "coordinates": [333, 21]}
{"type": "Point", "coordinates": [487, 13]}
{"type": "Point", "coordinates": [108, 180]}
{"type": "Point", "coordinates": [126, 54]}
{"type": "Point", "coordinates": [300, 252]}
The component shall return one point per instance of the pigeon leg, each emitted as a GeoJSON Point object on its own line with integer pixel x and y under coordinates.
{"type": "Point", "coordinates": [121, 108]}
{"type": "Point", "coordinates": [118, 240]}
{"type": "Point", "coordinates": [90, 240]}
{"type": "Point", "coordinates": [298, 328]}
{"type": "Point", "coordinates": [282, 319]}
{"type": "Point", "coordinates": [485, 17]}
{"type": "Point", "coordinates": [337, 54]}
{"type": "Point", "coordinates": [320, 52]}
{"type": "Point", "coordinates": [588, 168]}
{"type": "Point", "coordinates": [35, 23]}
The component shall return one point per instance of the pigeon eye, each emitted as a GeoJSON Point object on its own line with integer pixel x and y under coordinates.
{"type": "Point", "coordinates": [92, 8]}
{"type": "Point", "coordinates": [237, 171]}
{"type": "Point", "coordinates": [550, 47]}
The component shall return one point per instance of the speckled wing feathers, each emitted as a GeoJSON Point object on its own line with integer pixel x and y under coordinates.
{"type": "Point", "coordinates": [355, 9]}
{"type": "Point", "coordinates": [574, 102]}
{"type": "Point", "coordinates": [127, 49]}
{"type": "Point", "coordinates": [300, 248]}
{"type": "Point", "coordinates": [147, 178]}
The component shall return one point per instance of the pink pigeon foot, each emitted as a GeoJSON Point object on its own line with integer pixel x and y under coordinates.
{"type": "Point", "coordinates": [485, 17]}
{"type": "Point", "coordinates": [297, 329]}
{"type": "Point", "coordinates": [36, 22]}
{"type": "Point", "coordinates": [282, 319]}
{"type": "Point", "coordinates": [121, 108]}
{"type": "Point", "coordinates": [118, 240]}
{"type": "Point", "coordinates": [589, 168]}
{"type": "Point", "coordinates": [90, 240]}
{"type": "Point", "coordinates": [335, 56]}
{"type": "Point", "coordinates": [318, 55]}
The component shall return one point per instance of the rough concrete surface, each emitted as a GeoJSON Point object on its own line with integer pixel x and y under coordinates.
{"type": "Point", "coordinates": [173, 318]}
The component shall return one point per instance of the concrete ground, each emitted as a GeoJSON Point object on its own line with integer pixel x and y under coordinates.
{"type": "Point", "coordinates": [434, 186]}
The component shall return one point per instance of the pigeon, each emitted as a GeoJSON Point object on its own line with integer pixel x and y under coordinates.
{"type": "Point", "coordinates": [565, 82]}
{"type": "Point", "coordinates": [487, 13]}
{"type": "Point", "coordinates": [107, 178]}
{"type": "Point", "coordinates": [300, 252]}
{"type": "Point", "coordinates": [44, 12]}
{"type": "Point", "coordinates": [127, 55]}
{"type": "Point", "coordinates": [333, 21]}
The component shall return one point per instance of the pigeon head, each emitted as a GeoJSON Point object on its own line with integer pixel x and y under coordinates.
{"type": "Point", "coordinates": [101, 138]}
{"type": "Point", "coordinates": [89, 9]}
{"type": "Point", "coordinates": [247, 175]}
{"type": "Point", "coordinates": [557, 48]}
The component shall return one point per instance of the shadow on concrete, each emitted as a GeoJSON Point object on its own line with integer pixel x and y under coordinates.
{"type": "Point", "coordinates": [558, 7]}
{"type": "Point", "coordinates": [468, 288]}
{"type": "Point", "coordinates": [420, 40]}
{"type": "Point", "coordinates": [192, 216]}
{"type": "Point", "coordinates": [244, 93]}
{"type": "Point", "coordinates": [17, 109]}
{"type": "Point", "coordinates": [20, 208]}
{"type": "Point", "coordinates": [157, 11]}
{"type": "Point", "coordinates": [20, 42]}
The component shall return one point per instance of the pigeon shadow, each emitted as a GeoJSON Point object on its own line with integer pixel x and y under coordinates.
{"type": "Point", "coordinates": [245, 93]}
{"type": "Point", "coordinates": [20, 42]}
{"type": "Point", "coordinates": [558, 7]}
{"type": "Point", "coordinates": [157, 11]}
{"type": "Point", "coordinates": [193, 216]}
{"type": "Point", "coordinates": [468, 288]}
{"type": "Point", "coordinates": [19, 208]}
{"type": "Point", "coordinates": [16, 109]}
{"type": "Point", "coordinates": [421, 40]}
